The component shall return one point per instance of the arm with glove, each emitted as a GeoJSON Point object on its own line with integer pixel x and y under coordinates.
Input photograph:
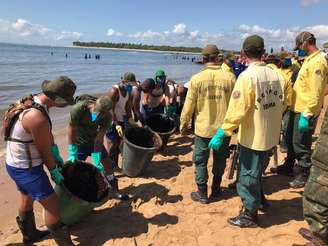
{"type": "Point", "coordinates": [39, 127]}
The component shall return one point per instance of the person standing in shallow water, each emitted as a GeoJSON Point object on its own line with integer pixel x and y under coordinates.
{"type": "Point", "coordinates": [207, 100]}
{"type": "Point", "coordinates": [256, 106]}
{"type": "Point", "coordinates": [30, 145]}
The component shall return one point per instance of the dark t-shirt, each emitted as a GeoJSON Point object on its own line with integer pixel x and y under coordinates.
{"type": "Point", "coordinates": [87, 130]}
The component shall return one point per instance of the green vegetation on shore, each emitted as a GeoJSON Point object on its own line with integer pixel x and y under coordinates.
{"type": "Point", "coordinates": [137, 46]}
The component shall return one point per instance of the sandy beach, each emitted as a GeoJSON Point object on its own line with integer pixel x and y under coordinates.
{"type": "Point", "coordinates": [161, 211]}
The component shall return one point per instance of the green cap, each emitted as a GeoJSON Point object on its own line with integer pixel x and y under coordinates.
{"type": "Point", "coordinates": [160, 73]}
{"type": "Point", "coordinates": [325, 45]}
{"type": "Point", "coordinates": [210, 50]}
{"type": "Point", "coordinates": [253, 43]}
{"type": "Point", "coordinates": [129, 77]}
{"type": "Point", "coordinates": [301, 38]}
{"type": "Point", "coordinates": [60, 90]}
{"type": "Point", "coordinates": [103, 104]}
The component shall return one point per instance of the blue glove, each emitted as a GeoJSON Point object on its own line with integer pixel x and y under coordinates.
{"type": "Point", "coordinates": [56, 175]}
{"type": "Point", "coordinates": [217, 140]}
{"type": "Point", "coordinates": [96, 157]}
{"type": "Point", "coordinates": [303, 123]}
{"type": "Point", "coordinates": [72, 153]}
{"type": "Point", "coordinates": [55, 153]}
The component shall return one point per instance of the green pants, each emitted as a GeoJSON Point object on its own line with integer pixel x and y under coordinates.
{"type": "Point", "coordinates": [249, 177]}
{"type": "Point", "coordinates": [201, 155]}
{"type": "Point", "coordinates": [299, 143]}
{"type": "Point", "coordinates": [315, 202]}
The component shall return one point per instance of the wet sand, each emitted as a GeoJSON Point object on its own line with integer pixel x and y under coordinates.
{"type": "Point", "coordinates": [161, 211]}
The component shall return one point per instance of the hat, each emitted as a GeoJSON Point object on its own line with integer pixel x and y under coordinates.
{"type": "Point", "coordinates": [129, 77]}
{"type": "Point", "coordinates": [210, 50]}
{"type": "Point", "coordinates": [253, 43]}
{"type": "Point", "coordinates": [230, 56]}
{"type": "Point", "coordinates": [160, 73]}
{"type": "Point", "coordinates": [301, 38]}
{"type": "Point", "coordinates": [283, 55]}
{"type": "Point", "coordinates": [325, 45]}
{"type": "Point", "coordinates": [60, 90]}
{"type": "Point", "coordinates": [103, 104]}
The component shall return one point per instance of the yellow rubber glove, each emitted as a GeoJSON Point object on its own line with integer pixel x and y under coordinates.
{"type": "Point", "coordinates": [119, 130]}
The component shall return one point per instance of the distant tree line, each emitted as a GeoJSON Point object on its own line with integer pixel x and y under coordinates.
{"type": "Point", "coordinates": [138, 46]}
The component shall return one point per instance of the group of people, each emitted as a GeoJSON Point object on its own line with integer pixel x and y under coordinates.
{"type": "Point", "coordinates": [274, 90]}
{"type": "Point", "coordinates": [252, 95]}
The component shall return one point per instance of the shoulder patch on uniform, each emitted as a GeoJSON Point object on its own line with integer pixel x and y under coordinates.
{"type": "Point", "coordinates": [318, 72]}
{"type": "Point", "coordinates": [236, 94]}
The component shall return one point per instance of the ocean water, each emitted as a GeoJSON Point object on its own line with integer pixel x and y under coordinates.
{"type": "Point", "coordinates": [24, 67]}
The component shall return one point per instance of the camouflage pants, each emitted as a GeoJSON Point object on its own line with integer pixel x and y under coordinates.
{"type": "Point", "coordinates": [315, 202]}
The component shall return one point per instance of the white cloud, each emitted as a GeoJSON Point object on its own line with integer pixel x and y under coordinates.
{"type": "Point", "coordinates": [283, 37]}
{"type": "Point", "coordinates": [179, 35]}
{"type": "Point", "coordinates": [111, 32]}
{"type": "Point", "coordinates": [309, 2]}
{"type": "Point", "coordinates": [23, 31]}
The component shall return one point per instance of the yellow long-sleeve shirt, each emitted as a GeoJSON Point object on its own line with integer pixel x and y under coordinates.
{"type": "Point", "coordinates": [207, 98]}
{"type": "Point", "coordinates": [287, 75]}
{"type": "Point", "coordinates": [256, 107]}
{"type": "Point", "coordinates": [310, 84]}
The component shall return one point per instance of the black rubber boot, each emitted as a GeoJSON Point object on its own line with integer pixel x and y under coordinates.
{"type": "Point", "coordinates": [61, 234]}
{"type": "Point", "coordinates": [216, 189]}
{"type": "Point", "coordinates": [300, 180]}
{"type": "Point", "coordinates": [285, 169]}
{"type": "Point", "coordinates": [245, 219]}
{"type": "Point", "coordinates": [200, 195]}
{"type": "Point", "coordinates": [314, 238]}
{"type": "Point", "coordinates": [26, 224]}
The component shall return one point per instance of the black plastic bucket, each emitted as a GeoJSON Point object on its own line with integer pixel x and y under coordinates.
{"type": "Point", "coordinates": [83, 189]}
{"type": "Point", "coordinates": [163, 125]}
{"type": "Point", "coordinates": [139, 147]}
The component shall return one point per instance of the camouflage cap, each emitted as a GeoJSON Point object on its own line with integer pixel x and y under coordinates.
{"type": "Point", "coordinates": [103, 104]}
{"type": "Point", "coordinates": [325, 45]}
{"type": "Point", "coordinates": [210, 50]}
{"type": "Point", "coordinates": [61, 90]}
{"type": "Point", "coordinates": [129, 77]}
{"type": "Point", "coordinates": [301, 38]}
{"type": "Point", "coordinates": [253, 43]}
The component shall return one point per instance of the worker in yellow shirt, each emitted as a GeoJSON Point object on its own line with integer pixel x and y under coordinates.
{"type": "Point", "coordinates": [256, 107]}
{"type": "Point", "coordinates": [207, 99]}
{"type": "Point", "coordinates": [307, 103]}
{"type": "Point", "coordinates": [228, 61]}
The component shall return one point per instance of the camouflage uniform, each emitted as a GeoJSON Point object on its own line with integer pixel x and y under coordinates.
{"type": "Point", "coordinates": [315, 199]}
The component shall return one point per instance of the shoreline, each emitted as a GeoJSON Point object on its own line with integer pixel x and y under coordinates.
{"type": "Point", "coordinates": [134, 50]}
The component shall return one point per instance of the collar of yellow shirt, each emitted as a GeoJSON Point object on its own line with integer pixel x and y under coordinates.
{"type": "Point", "coordinates": [318, 52]}
{"type": "Point", "coordinates": [211, 66]}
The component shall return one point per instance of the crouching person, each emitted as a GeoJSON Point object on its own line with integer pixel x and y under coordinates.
{"type": "Point", "coordinates": [90, 119]}
{"type": "Point", "coordinates": [30, 146]}
{"type": "Point", "coordinates": [315, 204]}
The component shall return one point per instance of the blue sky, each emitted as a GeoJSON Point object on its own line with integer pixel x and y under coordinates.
{"type": "Point", "coordinates": [179, 22]}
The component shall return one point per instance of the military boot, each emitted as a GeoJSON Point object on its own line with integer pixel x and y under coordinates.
{"type": "Point", "coordinates": [245, 219]}
{"type": "Point", "coordinates": [200, 195]}
{"type": "Point", "coordinates": [285, 169]}
{"type": "Point", "coordinates": [314, 238]}
{"type": "Point", "coordinates": [216, 189]}
{"type": "Point", "coordinates": [26, 224]}
{"type": "Point", "coordinates": [301, 179]}
{"type": "Point", "coordinates": [61, 234]}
